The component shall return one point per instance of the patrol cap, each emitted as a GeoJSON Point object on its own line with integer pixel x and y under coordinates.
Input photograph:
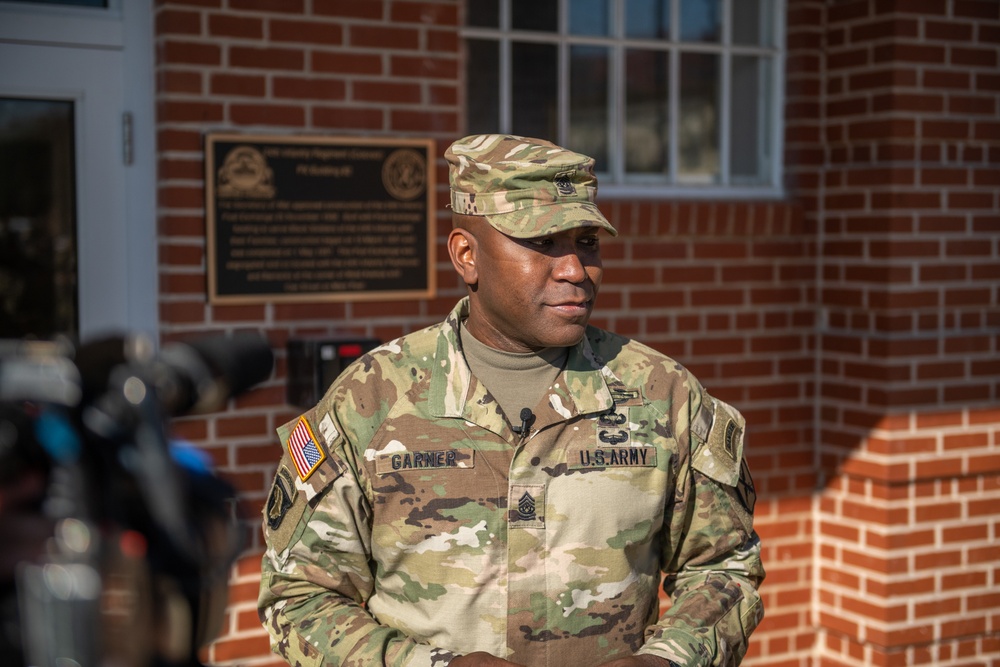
{"type": "Point", "coordinates": [524, 187]}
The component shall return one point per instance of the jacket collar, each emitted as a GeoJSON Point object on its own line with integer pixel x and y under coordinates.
{"type": "Point", "coordinates": [581, 388]}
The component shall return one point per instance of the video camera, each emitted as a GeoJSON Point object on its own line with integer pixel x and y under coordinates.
{"type": "Point", "coordinates": [135, 567]}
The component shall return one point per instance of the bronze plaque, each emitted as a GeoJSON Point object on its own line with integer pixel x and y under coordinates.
{"type": "Point", "coordinates": [319, 218]}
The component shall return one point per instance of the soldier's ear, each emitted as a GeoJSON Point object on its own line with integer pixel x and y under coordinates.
{"type": "Point", "coordinates": [463, 249]}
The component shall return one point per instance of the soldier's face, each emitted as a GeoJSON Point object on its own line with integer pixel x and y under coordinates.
{"type": "Point", "coordinates": [533, 293]}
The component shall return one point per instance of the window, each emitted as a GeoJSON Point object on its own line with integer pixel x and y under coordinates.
{"type": "Point", "coordinates": [665, 94]}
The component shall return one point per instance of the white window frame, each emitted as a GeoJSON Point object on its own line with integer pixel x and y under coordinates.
{"type": "Point", "coordinates": [613, 181]}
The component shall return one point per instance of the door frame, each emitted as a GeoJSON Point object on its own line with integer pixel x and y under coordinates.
{"type": "Point", "coordinates": [103, 61]}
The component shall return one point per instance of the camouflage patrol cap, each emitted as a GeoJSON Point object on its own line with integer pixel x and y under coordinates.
{"type": "Point", "coordinates": [524, 187]}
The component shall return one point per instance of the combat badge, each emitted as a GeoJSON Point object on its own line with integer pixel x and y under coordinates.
{"type": "Point", "coordinates": [624, 396]}
{"type": "Point", "coordinates": [613, 429]}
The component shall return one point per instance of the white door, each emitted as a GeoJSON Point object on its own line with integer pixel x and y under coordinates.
{"type": "Point", "coordinates": [76, 106]}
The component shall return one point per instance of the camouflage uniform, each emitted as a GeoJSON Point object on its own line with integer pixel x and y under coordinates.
{"type": "Point", "coordinates": [409, 522]}
{"type": "Point", "coordinates": [422, 526]}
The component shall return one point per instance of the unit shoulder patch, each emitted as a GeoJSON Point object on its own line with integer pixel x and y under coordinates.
{"type": "Point", "coordinates": [718, 429]}
{"type": "Point", "coordinates": [745, 489]}
{"type": "Point", "coordinates": [283, 509]}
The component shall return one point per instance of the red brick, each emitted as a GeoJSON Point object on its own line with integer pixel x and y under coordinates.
{"type": "Point", "coordinates": [971, 200]}
{"type": "Point", "coordinates": [908, 53]}
{"type": "Point", "coordinates": [945, 273]}
{"type": "Point", "coordinates": [986, 177]}
{"type": "Point", "coordinates": [939, 559]}
{"type": "Point", "coordinates": [970, 248]}
{"type": "Point", "coordinates": [899, 101]}
{"type": "Point", "coordinates": [948, 31]}
{"type": "Point", "coordinates": [894, 27]}
{"type": "Point", "coordinates": [906, 200]}
{"type": "Point", "coordinates": [846, 11]}
{"type": "Point", "coordinates": [191, 53]}
{"type": "Point", "coordinates": [894, 7]}
{"type": "Point", "coordinates": [267, 114]}
{"type": "Point", "coordinates": [848, 59]}
{"type": "Point", "coordinates": [346, 62]}
{"type": "Point", "coordinates": [179, 312]}
{"type": "Point", "coordinates": [443, 41]}
{"type": "Point", "coordinates": [967, 104]}
{"type": "Point", "coordinates": [963, 628]}
{"type": "Point", "coordinates": [233, 427]}
{"type": "Point", "coordinates": [977, 9]}
{"type": "Point", "coordinates": [881, 78]}
{"type": "Point", "coordinates": [169, 81]}
{"type": "Point", "coordinates": [181, 255]}
{"type": "Point", "coordinates": [282, 6]}
{"type": "Point", "coordinates": [882, 129]}
{"type": "Point", "coordinates": [179, 140]}
{"type": "Point", "coordinates": [178, 22]}
{"type": "Point", "coordinates": [948, 79]}
{"type": "Point", "coordinates": [878, 612]}
{"type": "Point", "coordinates": [242, 85]}
{"type": "Point", "coordinates": [182, 283]}
{"type": "Point", "coordinates": [970, 57]}
{"type": "Point", "coordinates": [268, 58]}
{"type": "Point", "coordinates": [443, 95]}
{"type": "Point", "coordinates": [307, 88]}
{"type": "Point", "coordinates": [950, 582]}
{"type": "Point", "coordinates": [424, 67]}
{"type": "Point", "coordinates": [180, 169]}
{"type": "Point", "coordinates": [369, 9]}
{"type": "Point", "coordinates": [242, 27]}
{"type": "Point", "coordinates": [939, 607]}
{"type": "Point", "coordinates": [989, 132]}
{"type": "Point", "coordinates": [311, 32]}
{"type": "Point", "coordinates": [945, 129]}
{"type": "Point", "coordinates": [349, 118]}
{"type": "Point", "coordinates": [383, 37]}
{"type": "Point", "coordinates": [953, 176]}
{"type": "Point", "coordinates": [385, 91]}
{"type": "Point", "coordinates": [181, 196]}
{"type": "Point", "coordinates": [181, 225]}
{"type": "Point", "coordinates": [410, 120]}
{"type": "Point", "coordinates": [425, 13]}
{"type": "Point", "coordinates": [987, 81]}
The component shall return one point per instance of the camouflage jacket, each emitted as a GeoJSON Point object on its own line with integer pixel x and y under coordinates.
{"type": "Point", "coordinates": [408, 523]}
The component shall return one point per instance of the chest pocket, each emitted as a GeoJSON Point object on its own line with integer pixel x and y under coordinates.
{"type": "Point", "coordinates": [612, 484]}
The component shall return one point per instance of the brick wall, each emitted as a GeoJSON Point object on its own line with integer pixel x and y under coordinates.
{"type": "Point", "coordinates": [909, 260]}
{"type": "Point", "coordinates": [727, 290]}
{"type": "Point", "coordinates": [825, 318]}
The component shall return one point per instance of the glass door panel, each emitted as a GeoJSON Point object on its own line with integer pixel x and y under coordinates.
{"type": "Point", "coordinates": [38, 249]}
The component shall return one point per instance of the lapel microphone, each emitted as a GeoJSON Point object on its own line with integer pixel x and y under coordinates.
{"type": "Point", "coordinates": [527, 419]}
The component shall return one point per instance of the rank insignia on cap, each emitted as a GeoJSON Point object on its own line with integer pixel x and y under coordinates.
{"type": "Point", "coordinates": [304, 449]}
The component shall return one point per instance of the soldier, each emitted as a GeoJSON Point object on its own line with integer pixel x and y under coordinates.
{"type": "Point", "coordinates": [509, 487]}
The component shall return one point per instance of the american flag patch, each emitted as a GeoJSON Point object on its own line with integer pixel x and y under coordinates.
{"type": "Point", "coordinates": [305, 451]}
